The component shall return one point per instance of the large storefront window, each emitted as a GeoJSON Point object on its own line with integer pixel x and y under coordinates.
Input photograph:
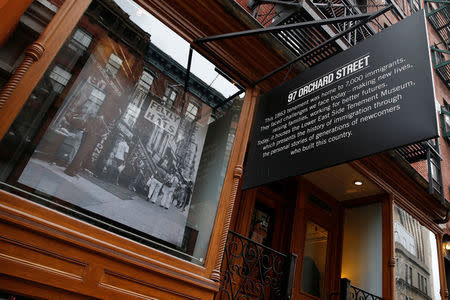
{"type": "Point", "coordinates": [111, 136]}
{"type": "Point", "coordinates": [416, 259]}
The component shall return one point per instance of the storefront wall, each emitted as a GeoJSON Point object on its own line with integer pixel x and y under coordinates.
{"type": "Point", "coordinates": [49, 254]}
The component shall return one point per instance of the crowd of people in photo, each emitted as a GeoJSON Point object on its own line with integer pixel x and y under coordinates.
{"type": "Point", "coordinates": [164, 186]}
{"type": "Point", "coordinates": [158, 178]}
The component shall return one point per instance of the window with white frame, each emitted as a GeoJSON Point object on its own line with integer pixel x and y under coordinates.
{"type": "Point", "coordinates": [93, 103]}
{"type": "Point", "coordinates": [192, 111]}
{"type": "Point", "coordinates": [114, 64]}
{"type": "Point", "coordinates": [145, 82]}
{"type": "Point", "coordinates": [60, 77]}
{"type": "Point", "coordinates": [142, 90]}
{"type": "Point", "coordinates": [81, 40]}
{"type": "Point", "coordinates": [170, 95]}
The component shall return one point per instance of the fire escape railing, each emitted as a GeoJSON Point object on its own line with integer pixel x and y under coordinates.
{"type": "Point", "coordinates": [271, 13]}
{"type": "Point", "coordinates": [253, 271]}
{"type": "Point", "coordinates": [438, 15]}
{"type": "Point", "coordinates": [441, 64]}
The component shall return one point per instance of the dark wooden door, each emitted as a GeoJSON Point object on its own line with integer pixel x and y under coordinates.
{"type": "Point", "coordinates": [315, 239]}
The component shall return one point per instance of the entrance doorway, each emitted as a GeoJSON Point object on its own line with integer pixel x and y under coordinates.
{"type": "Point", "coordinates": [314, 239]}
{"type": "Point", "coordinates": [295, 217]}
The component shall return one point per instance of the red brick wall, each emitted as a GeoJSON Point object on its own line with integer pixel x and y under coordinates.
{"type": "Point", "coordinates": [265, 12]}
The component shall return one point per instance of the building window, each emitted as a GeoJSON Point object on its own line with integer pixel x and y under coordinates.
{"type": "Point", "coordinates": [445, 121]}
{"type": "Point", "coordinates": [114, 64]}
{"type": "Point", "coordinates": [145, 82]}
{"type": "Point", "coordinates": [95, 100]}
{"type": "Point", "coordinates": [60, 78]}
{"type": "Point", "coordinates": [81, 40]}
{"type": "Point", "coordinates": [422, 283]}
{"type": "Point", "coordinates": [142, 90]}
{"type": "Point", "coordinates": [422, 260]}
{"type": "Point", "coordinates": [170, 95]}
{"type": "Point", "coordinates": [192, 111]}
{"type": "Point", "coordinates": [408, 274]}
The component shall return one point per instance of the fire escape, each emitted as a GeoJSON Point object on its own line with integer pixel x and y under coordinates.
{"type": "Point", "coordinates": [438, 14]}
{"type": "Point", "coordinates": [301, 41]}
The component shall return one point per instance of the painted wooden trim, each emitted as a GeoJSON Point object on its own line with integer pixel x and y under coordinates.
{"type": "Point", "coordinates": [32, 55]}
{"type": "Point", "coordinates": [441, 262]}
{"type": "Point", "coordinates": [45, 222]}
{"type": "Point", "coordinates": [388, 280]}
{"type": "Point", "coordinates": [37, 59]}
{"type": "Point", "coordinates": [11, 11]}
{"type": "Point", "coordinates": [232, 180]}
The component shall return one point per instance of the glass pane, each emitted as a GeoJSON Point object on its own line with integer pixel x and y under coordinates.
{"type": "Point", "coordinates": [261, 228]}
{"type": "Point", "coordinates": [362, 247]}
{"type": "Point", "coordinates": [120, 143]}
{"type": "Point", "coordinates": [416, 267]}
{"type": "Point", "coordinates": [314, 259]}
{"type": "Point", "coordinates": [27, 30]}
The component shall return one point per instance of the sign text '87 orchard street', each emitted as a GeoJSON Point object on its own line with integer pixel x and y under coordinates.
{"type": "Point", "coordinates": [376, 96]}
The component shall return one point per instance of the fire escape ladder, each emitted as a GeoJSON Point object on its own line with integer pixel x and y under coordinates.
{"type": "Point", "coordinates": [441, 63]}
{"type": "Point", "coordinates": [274, 13]}
{"type": "Point", "coordinates": [438, 15]}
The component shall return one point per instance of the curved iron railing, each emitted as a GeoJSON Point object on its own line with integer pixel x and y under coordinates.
{"type": "Point", "coordinates": [251, 270]}
{"type": "Point", "coordinates": [358, 294]}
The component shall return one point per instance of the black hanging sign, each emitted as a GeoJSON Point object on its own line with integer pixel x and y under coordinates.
{"type": "Point", "coordinates": [375, 96]}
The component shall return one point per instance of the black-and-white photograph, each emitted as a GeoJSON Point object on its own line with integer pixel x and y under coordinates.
{"type": "Point", "coordinates": [124, 153]}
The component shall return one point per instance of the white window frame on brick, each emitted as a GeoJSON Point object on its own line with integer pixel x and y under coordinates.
{"type": "Point", "coordinates": [81, 40]}
{"type": "Point", "coordinates": [60, 78]}
{"type": "Point", "coordinates": [94, 101]}
{"type": "Point", "coordinates": [192, 111]}
{"type": "Point", "coordinates": [170, 95]}
{"type": "Point", "coordinates": [114, 64]}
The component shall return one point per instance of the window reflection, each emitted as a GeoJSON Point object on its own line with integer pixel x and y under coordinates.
{"type": "Point", "coordinates": [30, 25]}
{"type": "Point", "coordinates": [416, 268]}
{"type": "Point", "coordinates": [314, 259]}
{"type": "Point", "coordinates": [110, 133]}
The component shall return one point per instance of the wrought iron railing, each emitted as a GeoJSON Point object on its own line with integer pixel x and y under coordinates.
{"type": "Point", "coordinates": [350, 292]}
{"type": "Point", "coordinates": [252, 271]}
{"type": "Point", "coordinates": [358, 294]}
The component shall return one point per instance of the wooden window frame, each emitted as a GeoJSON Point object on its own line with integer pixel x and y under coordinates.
{"type": "Point", "coordinates": [50, 223]}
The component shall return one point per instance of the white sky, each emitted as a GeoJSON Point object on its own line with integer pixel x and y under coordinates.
{"type": "Point", "coordinates": [176, 47]}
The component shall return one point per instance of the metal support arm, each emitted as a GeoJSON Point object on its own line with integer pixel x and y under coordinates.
{"type": "Point", "coordinates": [341, 34]}
{"type": "Point", "coordinates": [282, 28]}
